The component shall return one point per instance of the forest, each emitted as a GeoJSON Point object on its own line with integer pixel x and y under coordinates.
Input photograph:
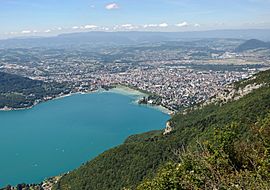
{"type": "Point", "coordinates": [22, 92]}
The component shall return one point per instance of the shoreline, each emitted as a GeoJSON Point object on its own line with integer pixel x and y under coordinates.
{"type": "Point", "coordinates": [6, 109]}
{"type": "Point", "coordinates": [125, 90]}
{"type": "Point", "coordinates": [119, 89]}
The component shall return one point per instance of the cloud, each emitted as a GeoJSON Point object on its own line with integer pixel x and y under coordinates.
{"type": "Point", "coordinates": [112, 6]}
{"type": "Point", "coordinates": [104, 28]}
{"type": "Point", "coordinates": [120, 27]}
{"type": "Point", "coordinates": [116, 27]}
{"type": "Point", "coordinates": [150, 25]}
{"type": "Point", "coordinates": [163, 25]}
{"type": "Point", "coordinates": [128, 26]}
{"type": "Point", "coordinates": [182, 24]}
{"type": "Point", "coordinates": [124, 27]}
{"type": "Point", "coordinates": [13, 33]}
{"type": "Point", "coordinates": [90, 26]}
{"type": "Point", "coordinates": [26, 31]}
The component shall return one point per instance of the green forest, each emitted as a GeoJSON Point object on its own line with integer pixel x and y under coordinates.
{"type": "Point", "coordinates": [215, 147]}
{"type": "Point", "coordinates": [22, 92]}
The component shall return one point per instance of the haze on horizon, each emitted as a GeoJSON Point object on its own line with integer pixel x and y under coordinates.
{"type": "Point", "coordinates": [50, 17]}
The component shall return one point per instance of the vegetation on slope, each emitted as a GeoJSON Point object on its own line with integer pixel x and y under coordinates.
{"type": "Point", "coordinates": [259, 78]}
{"type": "Point", "coordinates": [226, 161]}
{"type": "Point", "coordinates": [22, 92]}
{"type": "Point", "coordinates": [233, 149]}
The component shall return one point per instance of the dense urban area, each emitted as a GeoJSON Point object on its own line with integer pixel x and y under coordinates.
{"type": "Point", "coordinates": [176, 74]}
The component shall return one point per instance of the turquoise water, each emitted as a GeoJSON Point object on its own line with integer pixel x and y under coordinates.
{"type": "Point", "coordinates": [59, 135]}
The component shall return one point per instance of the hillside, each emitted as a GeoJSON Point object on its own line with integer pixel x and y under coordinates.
{"type": "Point", "coordinates": [252, 44]}
{"type": "Point", "coordinates": [22, 92]}
{"type": "Point", "coordinates": [218, 147]}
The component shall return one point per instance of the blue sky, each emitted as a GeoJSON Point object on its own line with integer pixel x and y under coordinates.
{"type": "Point", "coordinates": [50, 17]}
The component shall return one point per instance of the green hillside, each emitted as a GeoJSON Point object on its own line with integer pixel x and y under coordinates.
{"type": "Point", "coordinates": [228, 160]}
{"type": "Point", "coordinates": [218, 146]}
{"type": "Point", "coordinates": [21, 92]}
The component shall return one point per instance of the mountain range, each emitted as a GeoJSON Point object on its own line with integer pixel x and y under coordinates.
{"type": "Point", "coordinates": [127, 38]}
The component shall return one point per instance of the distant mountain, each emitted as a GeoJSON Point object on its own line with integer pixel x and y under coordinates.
{"type": "Point", "coordinates": [127, 38]}
{"type": "Point", "coordinates": [252, 44]}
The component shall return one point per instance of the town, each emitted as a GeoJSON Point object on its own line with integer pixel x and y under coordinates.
{"type": "Point", "coordinates": [176, 75]}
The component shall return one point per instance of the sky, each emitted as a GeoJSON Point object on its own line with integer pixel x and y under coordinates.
{"type": "Point", "coordinates": [51, 17]}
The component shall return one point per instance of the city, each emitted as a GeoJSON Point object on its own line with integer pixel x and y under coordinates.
{"type": "Point", "coordinates": [176, 74]}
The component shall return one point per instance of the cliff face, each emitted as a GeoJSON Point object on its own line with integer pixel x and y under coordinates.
{"type": "Point", "coordinates": [168, 129]}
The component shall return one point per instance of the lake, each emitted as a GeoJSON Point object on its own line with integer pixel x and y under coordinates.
{"type": "Point", "coordinates": [59, 135]}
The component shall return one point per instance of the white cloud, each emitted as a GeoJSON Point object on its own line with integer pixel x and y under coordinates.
{"type": "Point", "coordinates": [26, 31]}
{"type": "Point", "coordinates": [163, 25]}
{"type": "Point", "coordinates": [124, 27]}
{"type": "Point", "coordinates": [121, 27]}
{"type": "Point", "coordinates": [90, 26]}
{"type": "Point", "coordinates": [150, 25]}
{"type": "Point", "coordinates": [13, 33]}
{"type": "Point", "coordinates": [104, 28]}
{"type": "Point", "coordinates": [116, 27]}
{"type": "Point", "coordinates": [153, 25]}
{"type": "Point", "coordinates": [182, 24]}
{"type": "Point", "coordinates": [112, 6]}
{"type": "Point", "coordinates": [128, 26]}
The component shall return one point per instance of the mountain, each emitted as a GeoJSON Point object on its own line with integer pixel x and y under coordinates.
{"type": "Point", "coordinates": [218, 146]}
{"type": "Point", "coordinates": [89, 39]}
{"type": "Point", "coordinates": [252, 44]}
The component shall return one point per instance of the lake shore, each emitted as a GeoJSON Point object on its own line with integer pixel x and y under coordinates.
{"type": "Point", "coordinates": [119, 89]}
{"type": "Point", "coordinates": [45, 100]}
{"type": "Point", "coordinates": [125, 90]}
